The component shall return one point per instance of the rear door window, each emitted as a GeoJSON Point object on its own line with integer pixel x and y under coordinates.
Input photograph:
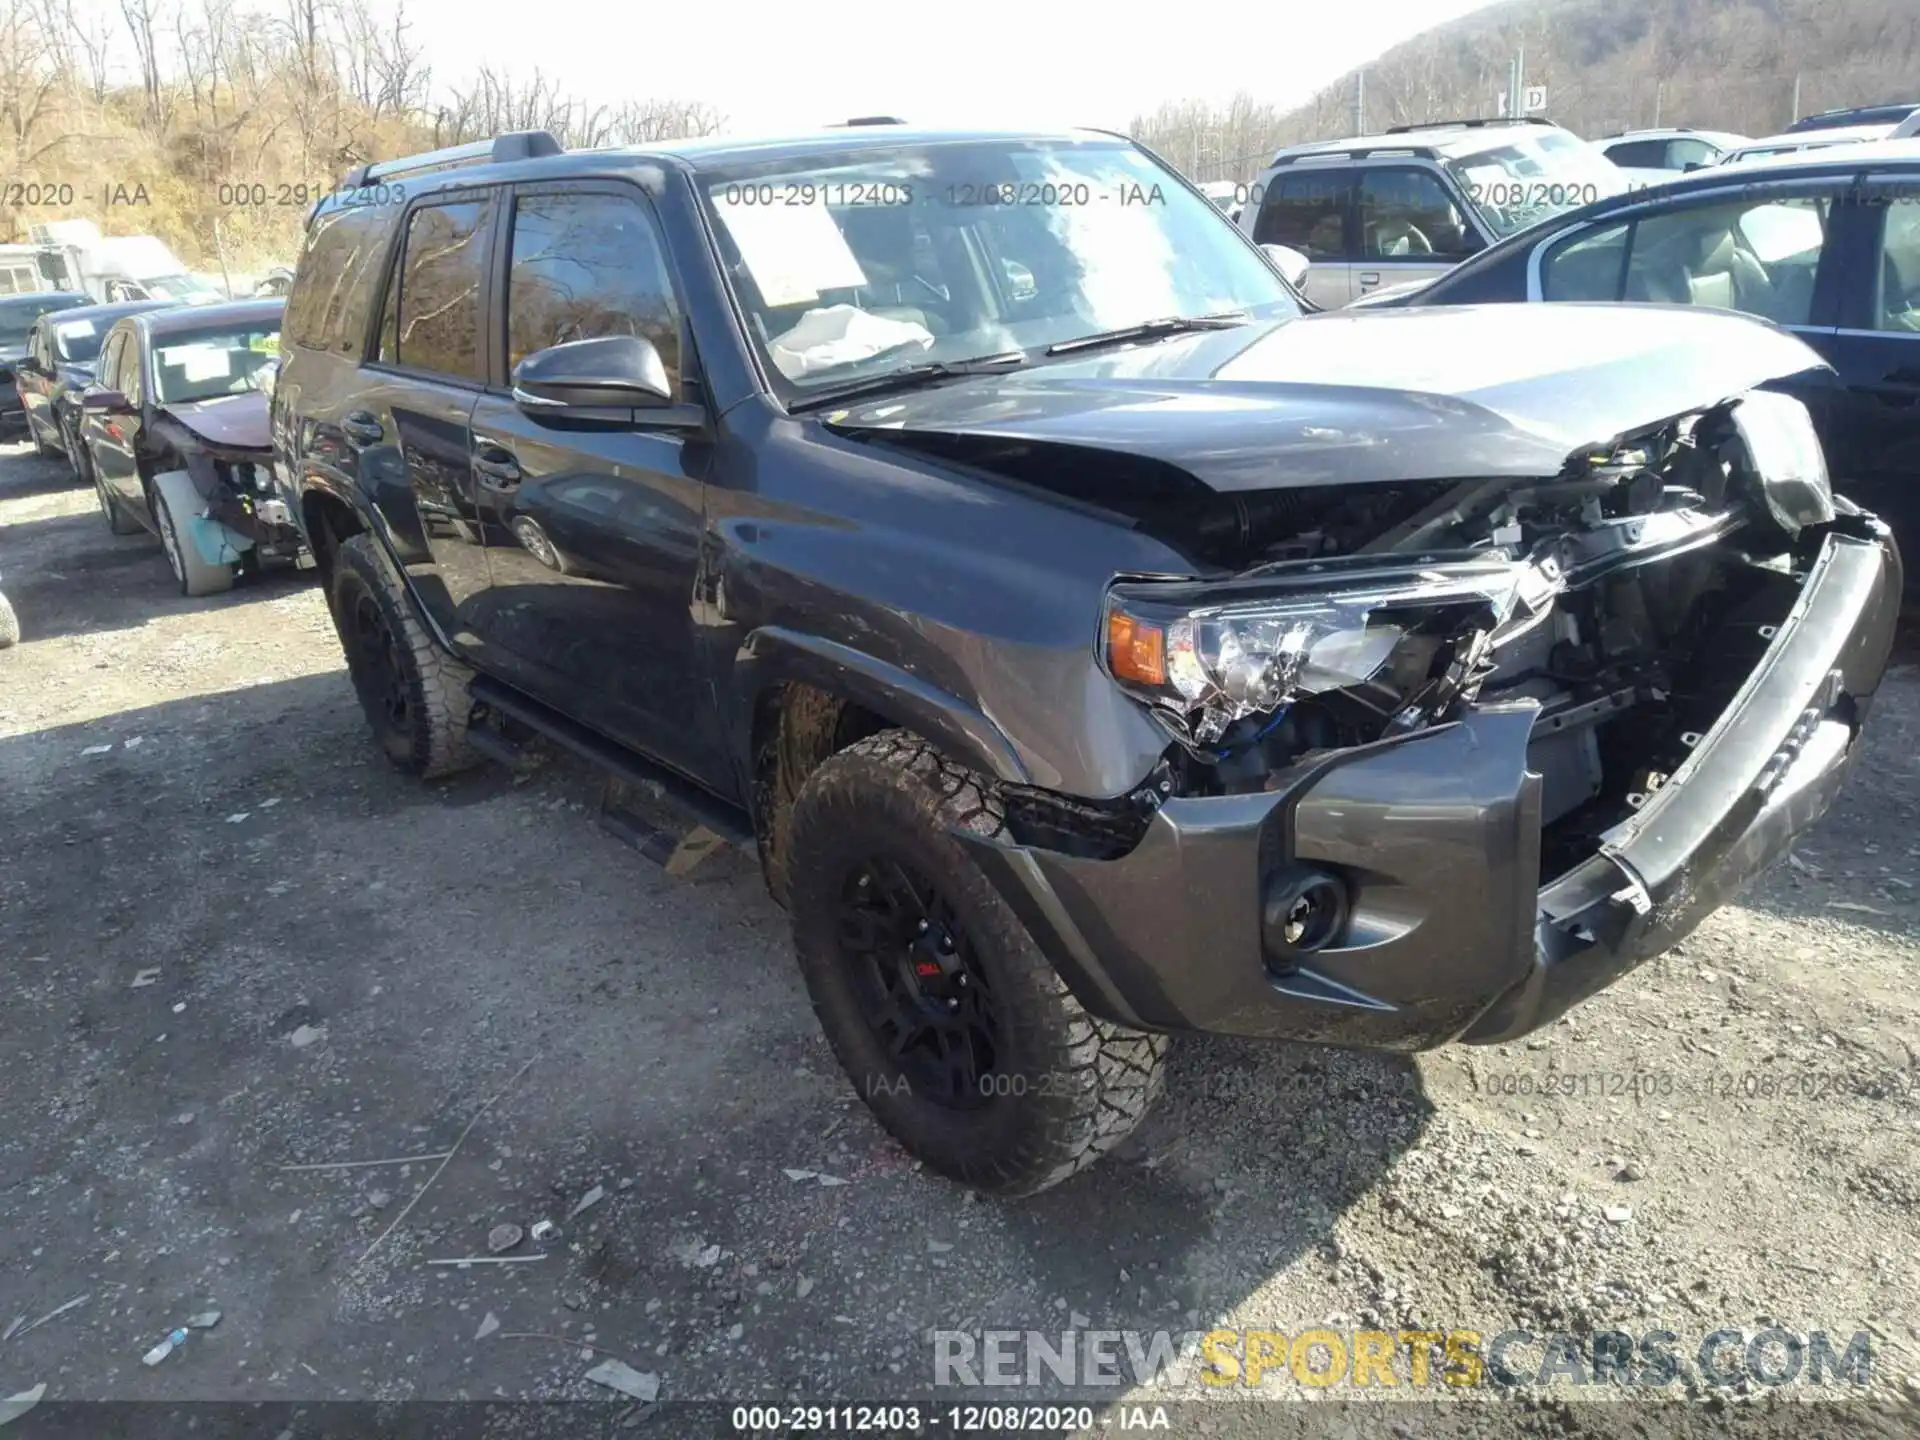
{"type": "Point", "coordinates": [108, 371]}
{"type": "Point", "coordinates": [1639, 154]}
{"type": "Point", "coordinates": [335, 286]}
{"type": "Point", "coordinates": [433, 311]}
{"type": "Point", "coordinates": [1307, 212]}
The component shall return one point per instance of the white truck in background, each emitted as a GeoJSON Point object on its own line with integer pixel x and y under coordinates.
{"type": "Point", "coordinates": [74, 255]}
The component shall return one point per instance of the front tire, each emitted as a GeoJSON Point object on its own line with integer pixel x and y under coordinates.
{"type": "Point", "coordinates": [413, 692]}
{"type": "Point", "coordinates": [191, 571]}
{"type": "Point", "coordinates": [954, 1028]}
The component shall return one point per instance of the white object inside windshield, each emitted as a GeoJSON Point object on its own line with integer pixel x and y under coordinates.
{"type": "Point", "coordinates": [74, 329]}
{"type": "Point", "coordinates": [841, 335]}
{"type": "Point", "coordinates": [793, 252]}
{"type": "Point", "coordinates": [198, 362]}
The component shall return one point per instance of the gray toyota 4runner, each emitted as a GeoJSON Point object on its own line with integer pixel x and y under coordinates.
{"type": "Point", "coordinates": [1094, 647]}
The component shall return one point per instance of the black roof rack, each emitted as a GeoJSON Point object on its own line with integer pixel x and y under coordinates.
{"type": "Point", "coordinates": [868, 120]}
{"type": "Point", "coordinates": [1890, 114]}
{"type": "Point", "coordinates": [1358, 152]}
{"type": "Point", "coordinates": [517, 145]}
{"type": "Point", "coordinates": [1475, 123]}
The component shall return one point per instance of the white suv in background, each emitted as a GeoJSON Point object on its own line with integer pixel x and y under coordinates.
{"type": "Point", "coordinates": [1653, 156]}
{"type": "Point", "coordinates": [1407, 205]}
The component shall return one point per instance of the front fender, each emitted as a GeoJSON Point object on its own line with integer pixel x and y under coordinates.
{"type": "Point", "coordinates": [773, 655]}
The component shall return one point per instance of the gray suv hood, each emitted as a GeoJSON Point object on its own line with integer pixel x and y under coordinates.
{"type": "Point", "coordinates": [1441, 394]}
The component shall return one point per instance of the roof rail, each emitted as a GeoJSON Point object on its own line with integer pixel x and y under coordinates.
{"type": "Point", "coordinates": [1475, 123]}
{"type": "Point", "coordinates": [868, 120]}
{"type": "Point", "coordinates": [1889, 113]}
{"type": "Point", "coordinates": [517, 145]}
{"type": "Point", "coordinates": [1356, 152]}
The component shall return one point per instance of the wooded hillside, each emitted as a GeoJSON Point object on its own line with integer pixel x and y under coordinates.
{"type": "Point", "coordinates": [215, 124]}
{"type": "Point", "coordinates": [1608, 65]}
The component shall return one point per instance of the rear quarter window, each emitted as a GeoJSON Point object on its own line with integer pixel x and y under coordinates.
{"type": "Point", "coordinates": [335, 287]}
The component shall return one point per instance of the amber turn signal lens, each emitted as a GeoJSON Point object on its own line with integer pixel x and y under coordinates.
{"type": "Point", "coordinates": [1136, 651]}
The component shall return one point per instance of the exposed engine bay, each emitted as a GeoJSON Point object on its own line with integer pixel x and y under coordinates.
{"type": "Point", "coordinates": [1629, 598]}
{"type": "Point", "coordinates": [234, 481]}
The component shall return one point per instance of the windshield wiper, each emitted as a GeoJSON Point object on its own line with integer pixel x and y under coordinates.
{"type": "Point", "coordinates": [910, 376]}
{"type": "Point", "coordinates": [1152, 330]}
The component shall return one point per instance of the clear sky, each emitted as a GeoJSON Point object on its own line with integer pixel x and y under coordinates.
{"type": "Point", "coordinates": [1017, 62]}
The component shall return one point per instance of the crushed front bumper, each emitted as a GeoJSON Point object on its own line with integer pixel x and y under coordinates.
{"type": "Point", "coordinates": [1437, 839]}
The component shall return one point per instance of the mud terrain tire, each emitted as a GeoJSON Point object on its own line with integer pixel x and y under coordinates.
{"type": "Point", "coordinates": [413, 692]}
{"type": "Point", "coordinates": [1042, 1088]}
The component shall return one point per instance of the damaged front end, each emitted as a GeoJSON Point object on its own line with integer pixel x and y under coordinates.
{"type": "Point", "coordinates": [1447, 776]}
{"type": "Point", "coordinates": [239, 519]}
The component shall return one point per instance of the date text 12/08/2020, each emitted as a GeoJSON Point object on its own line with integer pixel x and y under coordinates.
{"type": "Point", "coordinates": [1811, 1085]}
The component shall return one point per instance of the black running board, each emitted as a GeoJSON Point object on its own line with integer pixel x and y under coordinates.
{"type": "Point", "coordinates": [726, 821]}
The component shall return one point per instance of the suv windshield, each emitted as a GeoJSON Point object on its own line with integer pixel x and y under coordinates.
{"type": "Point", "coordinates": [1534, 176]}
{"type": "Point", "coordinates": [871, 262]}
{"type": "Point", "coordinates": [206, 364]}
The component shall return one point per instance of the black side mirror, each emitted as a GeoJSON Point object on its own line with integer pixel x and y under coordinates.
{"type": "Point", "coordinates": [98, 400]}
{"type": "Point", "coordinates": [615, 371]}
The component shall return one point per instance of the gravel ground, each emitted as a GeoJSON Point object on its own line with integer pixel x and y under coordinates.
{"type": "Point", "coordinates": [238, 942]}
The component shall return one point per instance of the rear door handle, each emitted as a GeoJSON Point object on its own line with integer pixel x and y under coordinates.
{"type": "Point", "coordinates": [1369, 279]}
{"type": "Point", "coordinates": [1902, 375]}
{"type": "Point", "coordinates": [495, 465]}
{"type": "Point", "coordinates": [362, 427]}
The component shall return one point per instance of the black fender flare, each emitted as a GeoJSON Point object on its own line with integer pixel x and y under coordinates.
{"type": "Point", "coordinates": [773, 655]}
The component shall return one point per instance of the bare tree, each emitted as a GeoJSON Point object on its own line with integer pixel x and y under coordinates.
{"type": "Point", "coordinates": [139, 15]}
{"type": "Point", "coordinates": [29, 81]}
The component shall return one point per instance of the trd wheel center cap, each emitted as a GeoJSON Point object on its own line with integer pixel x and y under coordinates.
{"type": "Point", "coordinates": [933, 968]}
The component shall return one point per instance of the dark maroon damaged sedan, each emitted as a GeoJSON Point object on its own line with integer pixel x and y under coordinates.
{"type": "Point", "coordinates": [174, 436]}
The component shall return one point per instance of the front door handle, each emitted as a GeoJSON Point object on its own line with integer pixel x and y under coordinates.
{"type": "Point", "coordinates": [1369, 279]}
{"type": "Point", "coordinates": [362, 427]}
{"type": "Point", "coordinates": [496, 466]}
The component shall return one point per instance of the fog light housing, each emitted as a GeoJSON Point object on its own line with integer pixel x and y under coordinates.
{"type": "Point", "coordinates": [1303, 910]}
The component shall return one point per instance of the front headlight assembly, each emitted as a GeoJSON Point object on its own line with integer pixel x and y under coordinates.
{"type": "Point", "coordinates": [1390, 647]}
{"type": "Point", "coordinates": [1784, 452]}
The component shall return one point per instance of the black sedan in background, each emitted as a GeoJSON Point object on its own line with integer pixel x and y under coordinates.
{"type": "Point", "coordinates": [1825, 243]}
{"type": "Point", "coordinates": [57, 365]}
{"type": "Point", "coordinates": [18, 315]}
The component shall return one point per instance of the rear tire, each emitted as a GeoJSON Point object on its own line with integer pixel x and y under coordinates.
{"type": "Point", "coordinates": [413, 692]}
{"type": "Point", "coordinates": [118, 521]}
{"type": "Point", "coordinates": [989, 1071]}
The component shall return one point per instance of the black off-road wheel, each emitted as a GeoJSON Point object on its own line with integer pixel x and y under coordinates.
{"type": "Point", "coordinates": [952, 1025]}
{"type": "Point", "coordinates": [413, 692]}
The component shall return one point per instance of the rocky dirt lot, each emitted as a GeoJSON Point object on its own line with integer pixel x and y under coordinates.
{"type": "Point", "coordinates": [235, 942]}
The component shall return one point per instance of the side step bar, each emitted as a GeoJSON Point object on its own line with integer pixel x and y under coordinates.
{"type": "Point", "coordinates": [726, 821]}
